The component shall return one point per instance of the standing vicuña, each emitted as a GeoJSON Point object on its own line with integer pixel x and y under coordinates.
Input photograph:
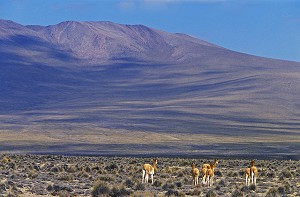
{"type": "Point", "coordinates": [254, 173]}
{"type": "Point", "coordinates": [251, 172]}
{"type": "Point", "coordinates": [195, 174]}
{"type": "Point", "coordinates": [148, 169]}
{"type": "Point", "coordinates": [204, 169]}
{"type": "Point", "coordinates": [210, 173]}
{"type": "Point", "coordinates": [247, 176]}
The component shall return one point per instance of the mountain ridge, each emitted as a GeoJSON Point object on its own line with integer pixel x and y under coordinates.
{"type": "Point", "coordinates": [96, 40]}
{"type": "Point", "coordinates": [92, 82]}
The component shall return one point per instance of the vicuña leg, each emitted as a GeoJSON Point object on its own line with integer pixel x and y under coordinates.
{"type": "Point", "coordinates": [143, 178]}
{"type": "Point", "coordinates": [152, 178]}
{"type": "Point", "coordinates": [253, 178]}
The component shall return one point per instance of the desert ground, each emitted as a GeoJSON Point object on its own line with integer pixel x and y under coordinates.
{"type": "Point", "coordinates": [56, 175]}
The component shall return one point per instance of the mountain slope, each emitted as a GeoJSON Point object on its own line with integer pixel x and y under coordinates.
{"type": "Point", "coordinates": [88, 83]}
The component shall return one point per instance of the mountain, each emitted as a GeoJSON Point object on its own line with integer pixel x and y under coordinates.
{"type": "Point", "coordinates": [106, 88]}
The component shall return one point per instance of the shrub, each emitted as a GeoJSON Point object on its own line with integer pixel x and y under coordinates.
{"type": "Point", "coordinates": [172, 192]}
{"type": "Point", "coordinates": [241, 173]}
{"type": "Point", "coordinates": [245, 189]}
{"type": "Point", "coordinates": [65, 177]}
{"type": "Point", "coordinates": [106, 178]}
{"type": "Point", "coordinates": [251, 195]}
{"type": "Point", "coordinates": [117, 191]}
{"type": "Point", "coordinates": [112, 167]}
{"type": "Point", "coordinates": [2, 188]}
{"type": "Point", "coordinates": [168, 186]}
{"type": "Point", "coordinates": [36, 167]}
{"type": "Point", "coordinates": [83, 174]}
{"type": "Point", "coordinates": [49, 187]}
{"type": "Point", "coordinates": [285, 188]}
{"type": "Point", "coordinates": [36, 189]}
{"type": "Point", "coordinates": [211, 193]}
{"type": "Point", "coordinates": [273, 192]}
{"type": "Point", "coordinates": [178, 184]}
{"type": "Point", "coordinates": [285, 174]}
{"type": "Point", "coordinates": [165, 176]}
{"type": "Point", "coordinates": [218, 173]}
{"type": "Point", "coordinates": [71, 169]}
{"type": "Point", "coordinates": [187, 181]}
{"type": "Point", "coordinates": [196, 192]}
{"type": "Point", "coordinates": [6, 159]}
{"type": "Point", "coordinates": [56, 187]}
{"type": "Point", "coordinates": [54, 169]}
{"type": "Point", "coordinates": [237, 193]}
{"type": "Point", "coordinates": [180, 174]}
{"type": "Point", "coordinates": [172, 169]}
{"type": "Point", "coordinates": [32, 174]}
{"type": "Point", "coordinates": [140, 186]}
{"type": "Point", "coordinates": [157, 183]}
{"type": "Point", "coordinates": [95, 168]}
{"type": "Point", "coordinates": [12, 165]}
{"type": "Point", "coordinates": [10, 194]}
{"type": "Point", "coordinates": [129, 183]}
{"type": "Point", "coordinates": [87, 169]}
{"type": "Point", "coordinates": [263, 173]}
{"type": "Point", "coordinates": [142, 194]}
{"type": "Point", "coordinates": [222, 183]}
{"type": "Point", "coordinates": [63, 193]}
{"type": "Point", "coordinates": [271, 174]}
{"type": "Point", "coordinates": [252, 187]}
{"type": "Point", "coordinates": [232, 174]}
{"type": "Point", "coordinates": [99, 189]}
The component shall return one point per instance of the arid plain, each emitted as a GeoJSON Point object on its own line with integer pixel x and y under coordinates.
{"type": "Point", "coordinates": [46, 175]}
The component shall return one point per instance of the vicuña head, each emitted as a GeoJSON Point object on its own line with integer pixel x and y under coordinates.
{"type": "Point", "coordinates": [207, 165]}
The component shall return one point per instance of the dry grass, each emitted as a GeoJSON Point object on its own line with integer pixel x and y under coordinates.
{"type": "Point", "coordinates": [34, 175]}
{"type": "Point", "coordinates": [39, 134]}
{"type": "Point", "coordinates": [49, 139]}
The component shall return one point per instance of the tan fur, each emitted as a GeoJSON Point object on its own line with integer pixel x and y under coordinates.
{"type": "Point", "coordinates": [148, 169]}
{"type": "Point", "coordinates": [247, 175]}
{"type": "Point", "coordinates": [253, 172]}
{"type": "Point", "coordinates": [210, 173]}
{"type": "Point", "coordinates": [206, 165]}
{"type": "Point", "coordinates": [205, 168]}
{"type": "Point", "coordinates": [195, 174]}
{"type": "Point", "coordinates": [203, 172]}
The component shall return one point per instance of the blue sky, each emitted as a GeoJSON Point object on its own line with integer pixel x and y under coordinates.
{"type": "Point", "coordinates": [269, 28]}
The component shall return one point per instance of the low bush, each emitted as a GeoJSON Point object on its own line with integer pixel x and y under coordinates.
{"type": "Point", "coordinates": [100, 188]}
{"type": "Point", "coordinates": [273, 192]}
{"type": "Point", "coordinates": [211, 193]}
{"type": "Point", "coordinates": [237, 193]}
{"type": "Point", "coordinates": [140, 186]}
{"type": "Point", "coordinates": [285, 174]}
{"type": "Point", "coordinates": [172, 192]}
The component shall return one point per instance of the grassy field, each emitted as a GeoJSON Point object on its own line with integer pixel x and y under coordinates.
{"type": "Point", "coordinates": [87, 139]}
{"type": "Point", "coordinates": [48, 175]}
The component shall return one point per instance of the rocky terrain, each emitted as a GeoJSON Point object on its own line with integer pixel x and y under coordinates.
{"type": "Point", "coordinates": [49, 175]}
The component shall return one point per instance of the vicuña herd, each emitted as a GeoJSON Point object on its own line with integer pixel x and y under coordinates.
{"type": "Point", "coordinates": [207, 171]}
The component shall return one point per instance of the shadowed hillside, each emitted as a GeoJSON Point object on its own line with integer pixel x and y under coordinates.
{"type": "Point", "coordinates": [86, 83]}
